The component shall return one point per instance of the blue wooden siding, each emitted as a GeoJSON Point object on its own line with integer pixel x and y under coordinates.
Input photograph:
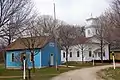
{"type": "Point", "coordinates": [50, 48]}
{"type": "Point", "coordinates": [36, 58]}
{"type": "Point", "coordinates": [9, 62]}
{"type": "Point", "coordinates": [44, 53]}
{"type": "Point", "coordinates": [17, 63]}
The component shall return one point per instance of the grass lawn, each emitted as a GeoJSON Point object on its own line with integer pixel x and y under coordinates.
{"type": "Point", "coordinates": [43, 73]}
{"type": "Point", "coordinates": [110, 74]}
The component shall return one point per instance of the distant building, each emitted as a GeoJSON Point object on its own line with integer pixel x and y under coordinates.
{"type": "Point", "coordinates": [87, 48]}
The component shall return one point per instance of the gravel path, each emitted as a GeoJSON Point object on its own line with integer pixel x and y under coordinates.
{"type": "Point", "coordinates": [82, 74]}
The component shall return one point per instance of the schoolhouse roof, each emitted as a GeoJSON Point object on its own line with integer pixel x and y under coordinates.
{"type": "Point", "coordinates": [29, 43]}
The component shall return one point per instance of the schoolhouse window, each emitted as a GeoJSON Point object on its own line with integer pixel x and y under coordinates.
{"type": "Point", "coordinates": [21, 56]}
{"type": "Point", "coordinates": [63, 54]}
{"type": "Point", "coordinates": [51, 44]}
{"type": "Point", "coordinates": [78, 54]}
{"type": "Point", "coordinates": [30, 57]}
{"type": "Point", "coordinates": [70, 54]}
{"type": "Point", "coordinates": [13, 56]}
{"type": "Point", "coordinates": [90, 53]}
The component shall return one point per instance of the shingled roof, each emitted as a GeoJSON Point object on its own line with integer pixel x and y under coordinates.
{"type": "Point", "coordinates": [29, 42]}
{"type": "Point", "coordinates": [80, 40]}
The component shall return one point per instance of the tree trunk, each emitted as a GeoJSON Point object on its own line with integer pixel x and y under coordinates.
{"type": "Point", "coordinates": [101, 50]}
{"type": "Point", "coordinates": [9, 37]}
{"type": "Point", "coordinates": [29, 74]}
{"type": "Point", "coordinates": [67, 57]}
{"type": "Point", "coordinates": [82, 55]}
{"type": "Point", "coordinates": [4, 56]}
{"type": "Point", "coordinates": [33, 66]}
{"type": "Point", "coordinates": [33, 62]}
{"type": "Point", "coordinates": [9, 41]}
{"type": "Point", "coordinates": [109, 51]}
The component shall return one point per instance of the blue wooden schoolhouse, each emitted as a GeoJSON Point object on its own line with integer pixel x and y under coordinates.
{"type": "Point", "coordinates": [46, 52]}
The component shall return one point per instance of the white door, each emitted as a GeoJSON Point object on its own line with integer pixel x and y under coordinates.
{"type": "Point", "coordinates": [51, 59]}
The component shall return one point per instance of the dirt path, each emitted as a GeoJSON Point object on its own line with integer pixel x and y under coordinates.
{"type": "Point", "coordinates": [82, 74]}
{"type": "Point", "coordinates": [10, 76]}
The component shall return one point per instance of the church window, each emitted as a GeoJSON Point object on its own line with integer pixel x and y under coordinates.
{"type": "Point", "coordinates": [63, 54]}
{"type": "Point", "coordinates": [104, 54]}
{"type": "Point", "coordinates": [88, 31]}
{"type": "Point", "coordinates": [78, 54]}
{"type": "Point", "coordinates": [90, 53]}
{"type": "Point", "coordinates": [99, 54]}
{"type": "Point", "coordinates": [70, 54]}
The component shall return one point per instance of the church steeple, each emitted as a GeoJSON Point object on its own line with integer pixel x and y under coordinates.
{"type": "Point", "coordinates": [90, 29]}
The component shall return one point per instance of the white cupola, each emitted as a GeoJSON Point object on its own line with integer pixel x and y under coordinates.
{"type": "Point", "coordinates": [90, 28]}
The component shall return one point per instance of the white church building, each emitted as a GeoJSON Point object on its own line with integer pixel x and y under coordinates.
{"type": "Point", "coordinates": [88, 47]}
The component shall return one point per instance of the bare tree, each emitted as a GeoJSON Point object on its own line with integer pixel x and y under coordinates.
{"type": "Point", "coordinates": [12, 13]}
{"type": "Point", "coordinates": [67, 35]}
{"type": "Point", "coordinates": [33, 39]}
{"type": "Point", "coordinates": [8, 8]}
{"type": "Point", "coordinates": [49, 26]}
{"type": "Point", "coordinates": [115, 19]}
{"type": "Point", "coordinates": [19, 60]}
{"type": "Point", "coordinates": [16, 25]}
{"type": "Point", "coordinates": [111, 20]}
{"type": "Point", "coordinates": [108, 25]}
{"type": "Point", "coordinates": [115, 8]}
{"type": "Point", "coordinates": [83, 47]}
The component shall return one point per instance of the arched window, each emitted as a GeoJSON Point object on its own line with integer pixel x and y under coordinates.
{"type": "Point", "coordinates": [104, 54]}
{"type": "Point", "coordinates": [70, 54]}
{"type": "Point", "coordinates": [78, 54]}
{"type": "Point", "coordinates": [88, 31]}
{"type": "Point", "coordinates": [90, 53]}
{"type": "Point", "coordinates": [96, 31]}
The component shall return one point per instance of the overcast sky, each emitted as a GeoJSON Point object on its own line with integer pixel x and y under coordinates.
{"type": "Point", "coordinates": [72, 11]}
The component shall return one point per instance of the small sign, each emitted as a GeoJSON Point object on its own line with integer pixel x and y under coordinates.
{"type": "Point", "coordinates": [113, 54]}
{"type": "Point", "coordinates": [51, 44]}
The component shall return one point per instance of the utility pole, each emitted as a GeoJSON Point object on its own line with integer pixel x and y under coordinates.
{"type": "Point", "coordinates": [54, 11]}
{"type": "Point", "coordinates": [56, 64]}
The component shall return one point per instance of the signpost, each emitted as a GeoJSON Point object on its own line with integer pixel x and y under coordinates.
{"type": "Point", "coordinates": [113, 60]}
{"type": "Point", "coordinates": [24, 57]}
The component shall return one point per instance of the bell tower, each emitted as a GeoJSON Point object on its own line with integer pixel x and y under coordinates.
{"type": "Point", "coordinates": [90, 28]}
